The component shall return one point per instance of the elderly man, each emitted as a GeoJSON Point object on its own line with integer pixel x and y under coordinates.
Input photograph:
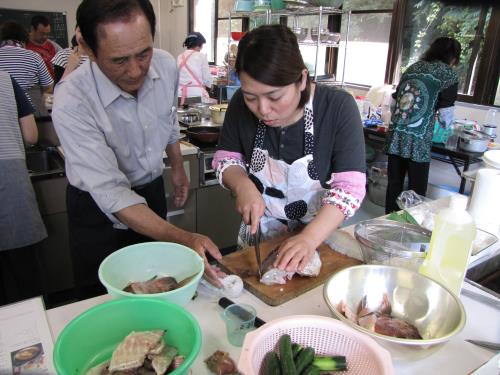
{"type": "Point", "coordinates": [40, 43]}
{"type": "Point", "coordinates": [115, 115]}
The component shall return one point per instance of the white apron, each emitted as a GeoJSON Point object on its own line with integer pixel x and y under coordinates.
{"type": "Point", "coordinates": [292, 193]}
{"type": "Point", "coordinates": [197, 83]}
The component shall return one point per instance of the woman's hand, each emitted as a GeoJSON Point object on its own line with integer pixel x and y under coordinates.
{"type": "Point", "coordinates": [295, 253]}
{"type": "Point", "coordinates": [249, 204]}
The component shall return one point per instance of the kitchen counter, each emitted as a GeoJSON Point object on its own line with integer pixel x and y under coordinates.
{"type": "Point", "coordinates": [455, 358]}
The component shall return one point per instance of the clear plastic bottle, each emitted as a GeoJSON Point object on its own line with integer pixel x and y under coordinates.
{"type": "Point", "coordinates": [448, 256]}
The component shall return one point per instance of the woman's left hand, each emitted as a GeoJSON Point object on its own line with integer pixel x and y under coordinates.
{"type": "Point", "coordinates": [295, 253]}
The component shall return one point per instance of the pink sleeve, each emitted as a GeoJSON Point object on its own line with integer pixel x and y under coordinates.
{"type": "Point", "coordinates": [225, 159]}
{"type": "Point", "coordinates": [221, 154]}
{"type": "Point", "coordinates": [347, 190]}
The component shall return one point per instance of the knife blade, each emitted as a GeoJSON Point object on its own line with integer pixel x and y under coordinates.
{"type": "Point", "coordinates": [257, 249]}
{"type": "Point", "coordinates": [485, 344]}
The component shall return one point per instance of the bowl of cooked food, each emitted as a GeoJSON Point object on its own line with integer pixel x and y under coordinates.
{"type": "Point", "coordinates": [158, 270]}
{"type": "Point", "coordinates": [133, 336]}
{"type": "Point", "coordinates": [409, 314]}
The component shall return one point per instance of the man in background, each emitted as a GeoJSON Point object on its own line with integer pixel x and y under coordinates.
{"type": "Point", "coordinates": [26, 67]}
{"type": "Point", "coordinates": [40, 43]}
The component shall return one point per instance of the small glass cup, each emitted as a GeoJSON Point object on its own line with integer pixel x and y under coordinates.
{"type": "Point", "coordinates": [239, 319]}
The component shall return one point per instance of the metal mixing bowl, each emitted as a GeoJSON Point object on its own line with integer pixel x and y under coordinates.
{"type": "Point", "coordinates": [435, 311]}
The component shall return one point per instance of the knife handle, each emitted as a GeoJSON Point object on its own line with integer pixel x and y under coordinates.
{"type": "Point", "coordinates": [225, 302]}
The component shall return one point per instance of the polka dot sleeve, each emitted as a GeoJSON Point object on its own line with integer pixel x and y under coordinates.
{"type": "Point", "coordinates": [223, 160]}
{"type": "Point", "coordinates": [347, 191]}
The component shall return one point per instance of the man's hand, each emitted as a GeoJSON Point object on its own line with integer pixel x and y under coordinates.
{"type": "Point", "coordinates": [202, 244]}
{"type": "Point", "coordinates": [181, 186]}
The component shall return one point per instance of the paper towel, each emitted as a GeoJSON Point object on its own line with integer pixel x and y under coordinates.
{"type": "Point", "coordinates": [485, 201]}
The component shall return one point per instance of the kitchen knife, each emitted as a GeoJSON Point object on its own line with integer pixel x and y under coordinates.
{"type": "Point", "coordinates": [257, 249]}
{"type": "Point", "coordinates": [225, 302]}
{"type": "Point", "coordinates": [485, 344]}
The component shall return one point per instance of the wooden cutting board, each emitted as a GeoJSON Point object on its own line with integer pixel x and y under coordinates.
{"type": "Point", "coordinates": [244, 264]}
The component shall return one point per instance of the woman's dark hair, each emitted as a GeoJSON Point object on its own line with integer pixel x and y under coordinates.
{"type": "Point", "coordinates": [39, 20]}
{"type": "Point", "coordinates": [74, 42]}
{"type": "Point", "coordinates": [194, 39]}
{"type": "Point", "coordinates": [12, 30]}
{"type": "Point", "coordinates": [443, 49]}
{"type": "Point", "coordinates": [270, 54]}
{"type": "Point", "coordinates": [91, 13]}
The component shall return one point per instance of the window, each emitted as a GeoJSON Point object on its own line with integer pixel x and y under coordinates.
{"type": "Point", "coordinates": [367, 48]}
{"type": "Point", "coordinates": [309, 51]}
{"type": "Point", "coordinates": [385, 37]}
{"type": "Point", "coordinates": [426, 20]}
{"type": "Point", "coordinates": [205, 24]}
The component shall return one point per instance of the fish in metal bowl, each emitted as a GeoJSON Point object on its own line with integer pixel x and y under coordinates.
{"type": "Point", "coordinates": [385, 301]}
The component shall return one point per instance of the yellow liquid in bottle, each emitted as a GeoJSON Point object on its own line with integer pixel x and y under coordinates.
{"type": "Point", "coordinates": [449, 250]}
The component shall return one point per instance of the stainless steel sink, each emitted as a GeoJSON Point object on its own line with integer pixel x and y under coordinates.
{"type": "Point", "coordinates": [44, 161]}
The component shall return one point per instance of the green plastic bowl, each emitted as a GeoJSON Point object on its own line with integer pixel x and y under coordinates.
{"type": "Point", "coordinates": [91, 337]}
{"type": "Point", "coordinates": [143, 261]}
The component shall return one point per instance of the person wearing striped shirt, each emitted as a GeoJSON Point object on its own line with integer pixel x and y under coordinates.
{"type": "Point", "coordinates": [67, 60]}
{"type": "Point", "coordinates": [26, 67]}
{"type": "Point", "coordinates": [21, 225]}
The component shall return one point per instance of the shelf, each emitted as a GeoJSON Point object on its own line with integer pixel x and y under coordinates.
{"type": "Point", "coordinates": [306, 11]}
{"type": "Point", "coordinates": [314, 44]}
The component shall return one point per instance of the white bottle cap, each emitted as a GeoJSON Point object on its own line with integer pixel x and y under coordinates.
{"type": "Point", "coordinates": [458, 202]}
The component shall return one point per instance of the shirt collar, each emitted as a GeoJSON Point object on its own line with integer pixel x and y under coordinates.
{"type": "Point", "coordinates": [109, 91]}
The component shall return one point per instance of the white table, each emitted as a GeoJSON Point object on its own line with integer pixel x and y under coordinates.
{"type": "Point", "coordinates": [456, 358]}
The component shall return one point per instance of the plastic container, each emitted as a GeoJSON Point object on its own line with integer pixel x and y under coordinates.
{"type": "Point", "coordinates": [91, 337]}
{"type": "Point", "coordinates": [452, 141]}
{"type": "Point", "coordinates": [244, 5]}
{"type": "Point", "coordinates": [451, 244]}
{"type": "Point", "coordinates": [143, 261]}
{"type": "Point", "coordinates": [392, 243]}
{"type": "Point", "coordinates": [230, 90]}
{"type": "Point", "coordinates": [440, 135]}
{"type": "Point", "coordinates": [325, 335]}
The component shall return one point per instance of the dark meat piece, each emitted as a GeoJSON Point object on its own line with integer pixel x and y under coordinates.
{"type": "Point", "coordinates": [156, 285]}
{"type": "Point", "coordinates": [220, 363]}
{"type": "Point", "coordinates": [385, 325]}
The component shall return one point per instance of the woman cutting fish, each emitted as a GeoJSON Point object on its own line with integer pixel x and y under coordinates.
{"type": "Point", "coordinates": [290, 150]}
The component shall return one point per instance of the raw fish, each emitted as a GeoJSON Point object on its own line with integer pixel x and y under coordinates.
{"type": "Point", "coordinates": [274, 275]}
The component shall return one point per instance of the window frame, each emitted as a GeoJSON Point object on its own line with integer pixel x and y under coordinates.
{"type": "Point", "coordinates": [489, 64]}
{"type": "Point", "coordinates": [488, 69]}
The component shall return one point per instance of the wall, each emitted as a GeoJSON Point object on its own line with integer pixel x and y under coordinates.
{"type": "Point", "coordinates": [68, 6]}
{"type": "Point", "coordinates": [172, 23]}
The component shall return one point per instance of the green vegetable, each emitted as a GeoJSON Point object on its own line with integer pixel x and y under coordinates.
{"type": "Point", "coordinates": [271, 364]}
{"type": "Point", "coordinates": [286, 356]}
{"type": "Point", "coordinates": [304, 359]}
{"type": "Point", "coordinates": [403, 217]}
{"type": "Point", "coordinates": [296, 348]}
{"type": "Point", "coordinates": [330, 363]}
{"type": "Point", "coordinates": [311, 370]}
